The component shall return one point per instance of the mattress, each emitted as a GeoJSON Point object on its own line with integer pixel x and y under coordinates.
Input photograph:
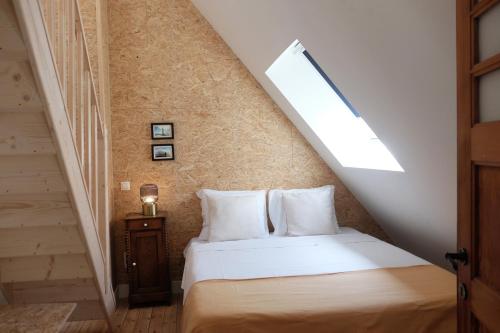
{"type": "Point", "coordinates": [347, 251]}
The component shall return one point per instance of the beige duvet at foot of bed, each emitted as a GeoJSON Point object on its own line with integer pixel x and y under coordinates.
{"type": "Point", "coordinates": [407, 299]}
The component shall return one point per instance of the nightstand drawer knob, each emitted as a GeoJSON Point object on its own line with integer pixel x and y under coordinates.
{"type": "Point", "coordinates": [134, 264]}
{"type": "Point", "coordinates": [145, 224]}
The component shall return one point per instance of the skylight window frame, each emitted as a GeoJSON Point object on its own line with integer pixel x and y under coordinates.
{"type": "Point", "coordinates": [327, 112]}
{"type": "Point", "coordinates": [330, 83]}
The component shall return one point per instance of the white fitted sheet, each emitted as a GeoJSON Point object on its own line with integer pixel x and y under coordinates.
{"type": "Point", "coordinates": [347, 251]}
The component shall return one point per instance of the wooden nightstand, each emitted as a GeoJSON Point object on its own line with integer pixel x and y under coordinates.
{"type": "Point", "coordinates": [147, 259]}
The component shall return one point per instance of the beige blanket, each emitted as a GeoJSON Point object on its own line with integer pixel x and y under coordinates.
{"type": "Point", "coordinates": [408, 299]}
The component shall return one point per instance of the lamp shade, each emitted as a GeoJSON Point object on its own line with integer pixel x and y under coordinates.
{"type": "Point", "coordinates": [149, 193]}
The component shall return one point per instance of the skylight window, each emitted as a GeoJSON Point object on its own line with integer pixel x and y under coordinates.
{"type": "Point", "coordinates": [327, 112]}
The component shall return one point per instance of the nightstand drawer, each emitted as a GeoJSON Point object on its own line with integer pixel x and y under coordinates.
{"type": "Point", "coordinates": [145, 224]}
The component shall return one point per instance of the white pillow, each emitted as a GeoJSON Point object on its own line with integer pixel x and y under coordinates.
{"type": "Point", "coordinates": [310, 211]}
{"type": "Point", "coordinates": [234, 217]}
{"type": "Point", "coordinates": [204, 193]}
{"type": "Point", "coordinates": [276, 212]}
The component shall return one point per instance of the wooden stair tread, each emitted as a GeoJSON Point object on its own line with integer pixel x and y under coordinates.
{"type": "Point", "coordinates": [22, 242]}
{"type": "Point", "coordinates": [38, 268]}
{"type": "Point", "coordinates": [82, 292]}
{"type": "Point", "coordinates": [30, 174]}
{"type": "Point", "coordinates": [10, 36]}
{"type": "Point", "coordinates": [35, 317]}
{"type": "Point", "coordinates": [24, 133]}
{"type": "Point", "coordinates": [51, 291]}
{"type": "Point", "coordinates": [17, 86]}
{"type": "Point", "coordinates": [35, 210]}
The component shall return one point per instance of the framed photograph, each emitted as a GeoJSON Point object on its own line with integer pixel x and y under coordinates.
{"type": "Point", "coordinates": [162, 131]}
{"type": "Point", "coordinates": [162, 152]}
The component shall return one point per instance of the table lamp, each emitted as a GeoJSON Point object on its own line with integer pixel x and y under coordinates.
{"type": "Point", "coordinates": [149, 197]}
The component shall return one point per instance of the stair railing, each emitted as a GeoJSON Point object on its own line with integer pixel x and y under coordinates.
{"type": "Point", "coordinates": [68, 44]}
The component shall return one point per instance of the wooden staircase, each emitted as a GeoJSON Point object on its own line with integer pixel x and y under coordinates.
{"type": "Point", "coordinates": [54, 206]}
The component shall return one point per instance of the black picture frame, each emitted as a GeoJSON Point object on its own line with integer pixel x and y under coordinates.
{"type": "Point", "coordinates": [156, 136]}
{"type": "Point", "coordinates": [168, 157]}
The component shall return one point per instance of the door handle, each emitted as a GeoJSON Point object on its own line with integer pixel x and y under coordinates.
{"type": "Point", "coordinates": [454, 258]}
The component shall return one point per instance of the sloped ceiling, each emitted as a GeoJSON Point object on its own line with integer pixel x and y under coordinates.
{"type": "Point", "coordinates": [395, 61]}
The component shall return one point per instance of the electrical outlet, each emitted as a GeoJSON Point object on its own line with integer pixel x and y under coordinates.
{"type": "Point", "coordinates": [125, 186]}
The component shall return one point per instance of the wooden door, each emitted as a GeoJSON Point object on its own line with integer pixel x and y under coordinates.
{"type": "Point", "coordinates": [149, 267]}
{"type": "Point", "coordinates": [478, 60]}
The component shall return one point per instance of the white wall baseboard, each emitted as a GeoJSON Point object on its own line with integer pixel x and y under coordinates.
{"type": "Point", "coordinates": [3, 299]}
{"type": "Point", "coordinates": [123, 289]}
{"type": "Point", "coordinates": [176, 287]}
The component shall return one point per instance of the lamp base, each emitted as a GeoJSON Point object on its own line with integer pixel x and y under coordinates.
{"type": "Point", "coordinates": [149, 209]}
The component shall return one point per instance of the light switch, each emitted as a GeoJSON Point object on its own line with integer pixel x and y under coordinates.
{"type": "Point", "coordinates": [125, 186]}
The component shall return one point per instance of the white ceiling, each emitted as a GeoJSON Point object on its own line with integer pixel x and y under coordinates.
{"type": "Point", "coordinates": [395, 61]}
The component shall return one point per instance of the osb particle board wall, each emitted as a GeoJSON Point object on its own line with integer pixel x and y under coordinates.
{"type": "Point", "coordinates": [168, 64]}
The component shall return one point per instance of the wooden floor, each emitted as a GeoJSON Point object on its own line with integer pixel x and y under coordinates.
{"type": "Point", "coordinates": [158, 319]}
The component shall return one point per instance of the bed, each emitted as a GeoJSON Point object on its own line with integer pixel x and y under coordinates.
{"type": "Point", "coordinates": [347, 282]}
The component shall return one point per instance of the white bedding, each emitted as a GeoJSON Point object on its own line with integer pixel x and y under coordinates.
{"type": "Point", "coordinates": [290, 256]}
